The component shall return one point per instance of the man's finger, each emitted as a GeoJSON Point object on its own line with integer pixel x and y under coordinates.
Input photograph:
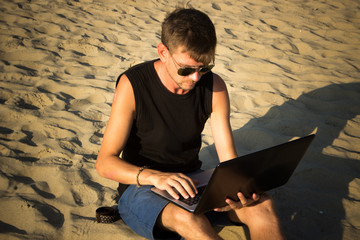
{"type": "Point", "coordinates": [242, 199]}
{"type": "Point", "coordinates": [187, 184]}
{"type": "Point", "coordinates": [256, 197]}
{"type": "Point", "coordinates": [172, 192]}
{"type": "Point", "coordinates": [178, 186]}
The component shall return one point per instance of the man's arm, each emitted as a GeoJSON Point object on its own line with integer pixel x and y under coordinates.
{"type": "Point", "coordinates": [220, 121]}
{"type": "Point", "coordinates": [223, 137]}
{"type": "Point", "coordinates": [111, 166]}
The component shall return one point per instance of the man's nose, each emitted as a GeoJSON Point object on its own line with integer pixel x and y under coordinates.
{"type": "Point", "coordinates": [195, 76]}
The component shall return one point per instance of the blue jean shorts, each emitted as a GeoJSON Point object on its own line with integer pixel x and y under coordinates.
{"type": "Point", "coordinates": [139, 208]}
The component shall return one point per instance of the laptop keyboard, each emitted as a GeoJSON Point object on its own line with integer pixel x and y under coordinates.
{"type": "Point", "coordinates": [191, 201]}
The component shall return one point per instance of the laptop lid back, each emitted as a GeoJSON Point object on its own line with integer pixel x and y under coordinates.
{"type": "Point", "coordinates": [253, 173]}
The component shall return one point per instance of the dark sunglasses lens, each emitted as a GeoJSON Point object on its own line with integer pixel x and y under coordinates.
{"type": "Point", "coordinates": [206, 69]}
{"type": "Point", "coordinates": [186, 71]}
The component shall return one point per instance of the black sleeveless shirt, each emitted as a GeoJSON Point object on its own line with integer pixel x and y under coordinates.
{"type": "Point", "coordinates": [166, 132]}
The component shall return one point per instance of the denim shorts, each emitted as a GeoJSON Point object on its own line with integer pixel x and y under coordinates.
{"type": "Point", "coordinates": [139, 208]}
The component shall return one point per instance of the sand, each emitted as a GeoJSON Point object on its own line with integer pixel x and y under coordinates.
{"type": "Point", "coordinates": [291, 67]}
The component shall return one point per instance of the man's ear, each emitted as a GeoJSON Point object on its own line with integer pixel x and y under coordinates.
{"type": "Point", "coordinates": [163, 52]}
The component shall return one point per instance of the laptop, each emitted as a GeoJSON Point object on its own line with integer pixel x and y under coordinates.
{"type": "Point", "coordinates": [253, 173]}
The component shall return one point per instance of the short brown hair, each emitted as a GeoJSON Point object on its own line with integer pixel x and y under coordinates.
{"type": "Point", "coordinates": [193, 30]}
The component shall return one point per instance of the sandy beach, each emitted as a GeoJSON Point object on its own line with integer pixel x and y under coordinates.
{"type": "Point", "coordinates": [291, 68]}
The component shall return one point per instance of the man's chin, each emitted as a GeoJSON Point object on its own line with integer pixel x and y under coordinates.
{"type": "Point", "coordinates": [188, 86]}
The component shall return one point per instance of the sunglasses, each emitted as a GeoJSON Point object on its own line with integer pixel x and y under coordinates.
{"type": "Point", "coordinates": [186, 71]}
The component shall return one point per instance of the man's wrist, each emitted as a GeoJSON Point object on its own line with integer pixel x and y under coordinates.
{"type": "Point", "coordinates": [138, 184]}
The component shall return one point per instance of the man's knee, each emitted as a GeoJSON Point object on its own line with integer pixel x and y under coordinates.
{"type": "Point", "coordinates": [264, 212]}
{"type": "Point", "coordinates": [174, 217]}
{"type": "Point", "coordinates": [260, 212]}
{"type": "Point", "coordinates": [266, 202]}
{"type": "Point", "coordinates": [186, 224]}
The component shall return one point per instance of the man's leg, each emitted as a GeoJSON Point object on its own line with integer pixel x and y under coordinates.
{"type": "Point", "coordinates": [260, 218]}
{"type": "Point", "coordinates": [188, 225]}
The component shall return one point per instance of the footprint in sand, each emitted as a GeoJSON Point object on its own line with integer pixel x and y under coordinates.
{"type": "Point", "coordinates": [52, 215]}
{"type": "Point", "coordinates": [30, 101]}
{"type": "Point", "coordinates": [41, 187]}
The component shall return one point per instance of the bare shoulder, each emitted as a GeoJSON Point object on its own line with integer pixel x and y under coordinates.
{"type": "Point", "coordinates": [124, 94]}
{"type": "Point", "coordinates": [123, 84]}
{"type": "Point", "coordinates": [221, 101]}
{"type": "Point", "coordinates": [218, 83]}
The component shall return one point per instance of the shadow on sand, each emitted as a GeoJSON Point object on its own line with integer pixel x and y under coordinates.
{"type": "Point", "coordinates": [311, 204]}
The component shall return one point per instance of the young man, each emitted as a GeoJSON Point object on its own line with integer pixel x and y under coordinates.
{"type": "Point", "coordinates": [158, 113]}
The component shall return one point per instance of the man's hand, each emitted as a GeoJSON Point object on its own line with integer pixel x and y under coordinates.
{"type": "Point", "coordinates": [243, 202]}
{"type": "Point", "coordinates": [174, 184]}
